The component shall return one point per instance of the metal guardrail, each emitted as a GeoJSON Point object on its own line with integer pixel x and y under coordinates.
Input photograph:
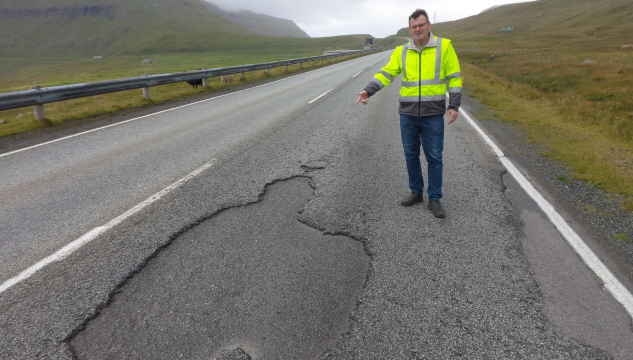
{"type": "Point", "coordinates": [40, 96]}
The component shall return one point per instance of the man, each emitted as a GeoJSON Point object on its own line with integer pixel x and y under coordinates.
{"type": "Point", "coordinates": [428, 65]}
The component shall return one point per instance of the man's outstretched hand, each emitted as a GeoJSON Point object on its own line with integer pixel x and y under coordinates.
{"type": "Point", "coordinates": [363, 97]}
{"type": "Point", "coordinates": [451, 115]}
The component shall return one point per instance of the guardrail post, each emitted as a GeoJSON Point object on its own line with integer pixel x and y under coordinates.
{"type": "Point", "coordinates": [267, 70]}
{"type": "Point", "coordinates": [321, 62]}
{"type": "Point", "coordinates": [205, 82]}
{"type": "Point", "coordinates": [286, 67]}
{"type": "Point", "coordinates": [146, 93]}
{"type": "Point", "coordinates": [38, 110]}
{"type": "Point", "coordinates": [312, 63]}
{"type": "Point", "coordinates": [243, 76]}
{"type": "Point", "coordinates": [301, 65]}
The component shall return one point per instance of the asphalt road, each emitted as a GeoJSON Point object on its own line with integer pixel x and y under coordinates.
{"type": "Point", "coordinates": [289, 243]}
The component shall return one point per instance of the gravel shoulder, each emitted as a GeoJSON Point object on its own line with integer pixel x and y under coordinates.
{"type": "Point", "coordinates": [595, 215]}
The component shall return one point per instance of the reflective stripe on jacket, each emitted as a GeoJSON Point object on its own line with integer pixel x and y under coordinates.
{"type": "Point", "coordinates": [426, 77]}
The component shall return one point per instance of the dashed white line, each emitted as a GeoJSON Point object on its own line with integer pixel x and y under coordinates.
{"type": "Point", "coordinates": [320, 96]}
{"type": "Point", "coordinates": [94, 233]}
{"type": "Point", "coordinates": [357, 74]}
{"type": "Point", "coordinates": [619, 292]}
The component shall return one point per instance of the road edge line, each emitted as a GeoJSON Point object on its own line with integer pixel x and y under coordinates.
{"type": "Point", "coordinates": [617, 290]}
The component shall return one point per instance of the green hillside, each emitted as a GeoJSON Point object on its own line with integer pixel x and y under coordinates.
{"type": "Point", "coordinates": [103, 27]}
{"type": "Point", "coordinates": [557, 25]}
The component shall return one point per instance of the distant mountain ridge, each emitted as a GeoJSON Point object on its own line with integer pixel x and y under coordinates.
{"type": "Point", "coordinates": [74, 27]}
{"type": "Point", "coordinates": [260, 24]}
{"type": "Point", "coordinates": [111, 27]}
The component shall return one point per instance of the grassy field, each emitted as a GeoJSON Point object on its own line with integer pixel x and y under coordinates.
{"type": "Point", "coordinates": [568, 88]}
{"type": "Point", "coordinates": [21, 74]}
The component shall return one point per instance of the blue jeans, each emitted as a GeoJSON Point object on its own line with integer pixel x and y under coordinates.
{"type": "Point", "coordinates": [429, 132]}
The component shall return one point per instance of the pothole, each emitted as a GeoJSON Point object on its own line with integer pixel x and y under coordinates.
{"type": "Point", "coordinates": [251, 275]}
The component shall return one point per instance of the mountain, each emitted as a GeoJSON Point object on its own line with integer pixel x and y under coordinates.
{"type": "Point", "coordinates": [260, 24]}
{"type": "Point", "coordinates": [102, 27]}
{"type": "Point", "coordinates": [45, 30]}
{"type": "Point", "coordinates": [555, 25]}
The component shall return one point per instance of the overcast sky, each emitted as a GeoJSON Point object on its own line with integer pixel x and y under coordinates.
{"type": "Point", "coordinates": [379, 18]}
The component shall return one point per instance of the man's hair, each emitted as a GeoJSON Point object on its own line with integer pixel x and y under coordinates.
{"type": "Point", "coordinates": [416, 14]}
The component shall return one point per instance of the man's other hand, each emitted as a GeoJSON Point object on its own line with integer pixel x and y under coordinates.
{"type": "Point", "coordinates": [363, 97]}
{"type": "Point", "coordinates": [451, 115]}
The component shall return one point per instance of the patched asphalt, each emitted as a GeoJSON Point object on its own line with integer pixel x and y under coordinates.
{"type": "Point", "coordinates": [252, 277]}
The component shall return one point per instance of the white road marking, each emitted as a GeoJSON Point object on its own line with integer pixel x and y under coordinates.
{"type": "Point", "coordinates": [320, 96]}
{"type": "Point", "coordinates": [619, 292]}
{"type": "Point", "coordinates": [357, 74]}
{"type": "Point", "coordinates": [94, 233]}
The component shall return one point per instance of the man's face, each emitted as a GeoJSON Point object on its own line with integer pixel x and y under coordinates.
{"type": "Point", "coordinates": [419, 28]}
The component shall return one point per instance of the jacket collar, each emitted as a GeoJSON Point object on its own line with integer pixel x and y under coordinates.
{"type": "Point", "coordinates": [431, 43]}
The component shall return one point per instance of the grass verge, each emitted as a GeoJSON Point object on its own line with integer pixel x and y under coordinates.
{"type": "Point", "coordinates": [623, 237]}
{"type": "Point", "coordinates": [578, 131]}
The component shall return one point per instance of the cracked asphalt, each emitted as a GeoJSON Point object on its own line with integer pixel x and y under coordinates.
{"type": "Point", "coordinates": [252, 276]}
{"type": "Point", "coordinates": [293, 245]}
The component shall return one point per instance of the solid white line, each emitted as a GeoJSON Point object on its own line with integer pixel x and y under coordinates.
{"type": "Point", "coordinates": [94, 233]}
{"type": "Point", "coordinates": [357, 74]}
{"type": "Point", "coordinates": [320, 96]}
{"type": "Point", "coordinates": [619, 292]}
{"type": "Point", "coordinates": [488, 140]}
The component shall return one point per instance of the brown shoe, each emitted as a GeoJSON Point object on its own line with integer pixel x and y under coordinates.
{"type": "Point", "coordinates": [412, 199]}
{"type": "Point", "coordinates": [436, 209]}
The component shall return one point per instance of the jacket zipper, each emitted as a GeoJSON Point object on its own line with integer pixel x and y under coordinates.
{"type": "Point", "coordinates": [420, 86]}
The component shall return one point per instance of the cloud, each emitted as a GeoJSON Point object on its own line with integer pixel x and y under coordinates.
{"type": "Point", "coordinates": [379, 18]}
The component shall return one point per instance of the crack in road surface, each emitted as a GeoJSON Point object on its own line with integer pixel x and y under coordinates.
{"type": "Point", "coordinates": [251, 277]}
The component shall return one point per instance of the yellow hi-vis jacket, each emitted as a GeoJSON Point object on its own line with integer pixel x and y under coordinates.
{"type": "Point", "coordinates": [426, 75]}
